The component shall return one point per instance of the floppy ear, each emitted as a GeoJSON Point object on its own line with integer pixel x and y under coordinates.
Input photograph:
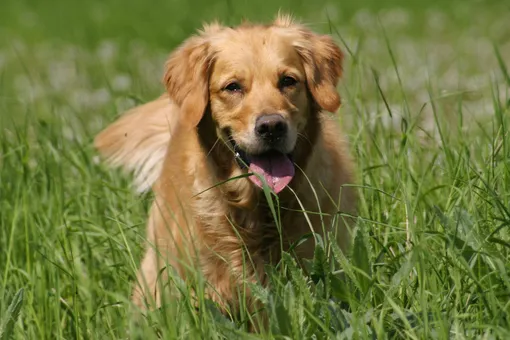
{"type": "Point", "coordinates": [187, 78]}
{"type": "Point", "coordinates": [322, 60]}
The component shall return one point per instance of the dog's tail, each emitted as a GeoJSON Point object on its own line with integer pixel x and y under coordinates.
{"type": "Point", "coordinates": [138, 140]}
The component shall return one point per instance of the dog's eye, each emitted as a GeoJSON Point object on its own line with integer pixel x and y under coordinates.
{"type": "Point", "coordinates": [287, 81]}
{"type": "Point", "coordinates": [233, 87]}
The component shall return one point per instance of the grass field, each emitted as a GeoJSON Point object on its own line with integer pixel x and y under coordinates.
{"type": "Point", "coordinates": [426, 107]}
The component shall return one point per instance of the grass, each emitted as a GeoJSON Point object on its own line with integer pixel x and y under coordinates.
{"type": "Point", "coordinates": [426, 109]}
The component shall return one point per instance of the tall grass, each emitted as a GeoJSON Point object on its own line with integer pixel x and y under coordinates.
{"type": "Point", "coordinates": [426, 110]}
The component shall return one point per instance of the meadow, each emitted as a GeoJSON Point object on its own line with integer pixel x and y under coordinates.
{"type": "Point", "coordinates": [426, 109]}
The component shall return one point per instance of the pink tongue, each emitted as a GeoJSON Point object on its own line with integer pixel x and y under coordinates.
{"type": "Point", "coordinates": [277, 170]}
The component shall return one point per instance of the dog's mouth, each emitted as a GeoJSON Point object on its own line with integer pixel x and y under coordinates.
{"type": "Point", "coordinates": [275, 167]}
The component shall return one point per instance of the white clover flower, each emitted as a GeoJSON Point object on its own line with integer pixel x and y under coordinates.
{"type": "Point", "coordinates": [62, 74]}
{"type": "Point", "coordinates": [364, 19]}
{"type": "Point", "coordinates": [121, 82]}
{"type": "Point", "coordinates": [107, 51]}
{"type": "Point", "coordinates": [99, 97]}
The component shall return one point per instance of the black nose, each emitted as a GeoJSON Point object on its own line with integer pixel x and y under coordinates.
{"type": "Point", "coordinates": [271, 128]}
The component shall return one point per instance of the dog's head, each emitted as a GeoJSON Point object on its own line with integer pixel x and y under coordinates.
{"type": "Point", "coordinates": [261, 85]}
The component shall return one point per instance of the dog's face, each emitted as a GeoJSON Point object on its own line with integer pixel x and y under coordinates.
{"type": "Point", "coordinates": [260, 83]}
{"type": "Point", "coordinates": [257, 91]}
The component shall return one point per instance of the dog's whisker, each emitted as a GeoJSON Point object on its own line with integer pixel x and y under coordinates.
{"type": "Point", "coordinates": [302, 136]}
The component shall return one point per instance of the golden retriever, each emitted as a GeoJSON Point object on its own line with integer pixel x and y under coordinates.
{"type": "Point", "coordinates": [243, 115]}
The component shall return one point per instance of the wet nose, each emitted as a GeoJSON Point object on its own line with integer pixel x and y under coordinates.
{"type": "Point", "coordinates": [271, 127]}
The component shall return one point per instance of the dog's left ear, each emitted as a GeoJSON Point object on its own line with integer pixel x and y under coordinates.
{"type": "Point", "coordinates": [322, 60]}
{"type": "Point", "coordinates": [187, 78]}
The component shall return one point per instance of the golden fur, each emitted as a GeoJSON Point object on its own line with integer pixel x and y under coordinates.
{"type": "Point", "coordinates": [179, 146]}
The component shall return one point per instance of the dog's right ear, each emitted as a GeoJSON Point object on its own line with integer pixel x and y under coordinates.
{"type": "Point", "coordinates": [187, 76]}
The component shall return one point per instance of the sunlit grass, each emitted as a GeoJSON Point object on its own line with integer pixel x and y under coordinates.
{"type": "Point", "coordinates": [426, 106]}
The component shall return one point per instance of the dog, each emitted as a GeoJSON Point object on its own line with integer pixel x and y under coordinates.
{"type": "Point", "coordinates": [244, 122]}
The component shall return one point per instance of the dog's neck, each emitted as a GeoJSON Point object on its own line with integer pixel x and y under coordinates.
{"type": "Point", "coordinates": [244, 205]}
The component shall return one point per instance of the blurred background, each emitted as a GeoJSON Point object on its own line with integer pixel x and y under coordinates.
{"type": "Point", "coordinates": [66, 57]}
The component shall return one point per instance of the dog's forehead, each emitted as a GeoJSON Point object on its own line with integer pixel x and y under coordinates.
{"type": "Point", "coordinates": [255, 45]}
